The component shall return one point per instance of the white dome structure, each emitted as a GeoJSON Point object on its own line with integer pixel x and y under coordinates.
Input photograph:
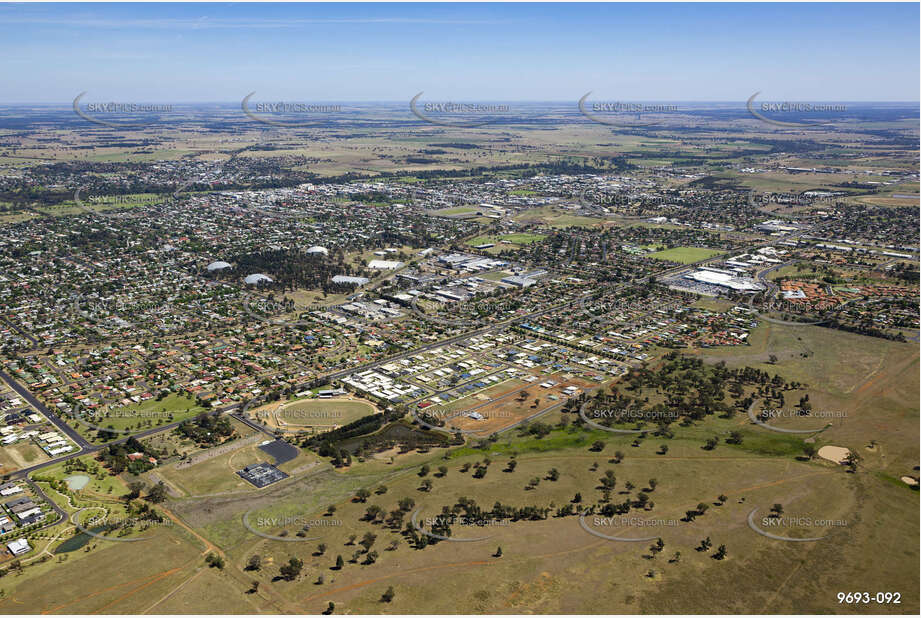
{"type": "Point", "coordinates": [213, 266]}
{"type": "Point", "coordinates": [257, 278]}
{"type": "Point", "coordinates": [318, 249]}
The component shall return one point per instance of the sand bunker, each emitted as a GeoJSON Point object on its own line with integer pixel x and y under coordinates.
{"type": "Point", "coordinates": [836, 454]}
{"type": "Point", "coordinates": [909, 480]}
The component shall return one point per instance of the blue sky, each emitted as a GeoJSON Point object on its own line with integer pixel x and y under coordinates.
{"type": "Point", "coordinates": [176, 53]}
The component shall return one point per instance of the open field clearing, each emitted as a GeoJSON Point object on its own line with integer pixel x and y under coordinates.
{"type": "Point", "coordinates": [868, 383]}
{"type": "Point", "coordinates": [19, 456]}
{"type": "Point", "coordinates": [686, 476]}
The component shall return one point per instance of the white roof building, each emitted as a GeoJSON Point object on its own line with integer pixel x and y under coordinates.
{"type": "Point", "coordinates": [349, 279]}
{"type": "Point", "coordinates": [384, 264]}
{"type": "Point", "coordinates": [256, 279]}
{"type": "Point", "coordinates": [725, 279]}
{"type": "Point", "coordinates": [213, 266]}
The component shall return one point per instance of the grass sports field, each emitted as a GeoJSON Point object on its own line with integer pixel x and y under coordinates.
{"type": "Point", "coordinates": [685, 255]}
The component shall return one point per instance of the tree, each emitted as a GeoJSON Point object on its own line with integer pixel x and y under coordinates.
{"type": "Point", "coordinates": [339, 563]}
{"type": "Point", "coordinates": [597, 446]}
{"type": "Point", "coordinates": [424, 470]}
{"type": "Point", "coordinates": [498, 553]}
{"type": "Point", "coordinates": [362, 495]}
{"type": "Point", "coordinates": [777, 510]}
{"type": "Point", "coordinates": [663, 449]}
{"type": "Point", "coordinates": [330, 608]}
{"type": "Point", "coordinates": [442, 471]}
{"type": "Point", "coordinates": [331, 509]}
{"type": "Point", "coordinates": [652, 484]}
{"type": "Point", "coordinates": [157, 493]}
{"type": "Point", "coordinates": [851, 461]}
{"type": "Point", "coordinates": [291, 569]}
{"type": "Point", "coordinates": [388, 595]}
{"type": "Point", "coordinates": [809, 450]}
{"type": "Point", "coordinates": [373, 513]}
{"type": "Point", "coordinates": [254, 563]}
{"type": "Point", "coordinates": [426, 485]}
{"type": "Point", "coordinates": [215, 561]}
{"type": "Point", "coordinates": [254, 586]}
{"type": "Point", "coordinates": [134, 489]}
{"type": "Point", "coordinates": [553, 474]}
{"type": "Point", "coordinates": [321, 549]}
{"type": "Point", "coordinates": [720, 552]}
{"type": "Point", "coordinates": [367, 541]}
{"type": "Point", "coordinates": [722, 498]}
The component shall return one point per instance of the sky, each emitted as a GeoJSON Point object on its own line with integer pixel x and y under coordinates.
{"type": "Point", "coordinates": [220, 52]}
